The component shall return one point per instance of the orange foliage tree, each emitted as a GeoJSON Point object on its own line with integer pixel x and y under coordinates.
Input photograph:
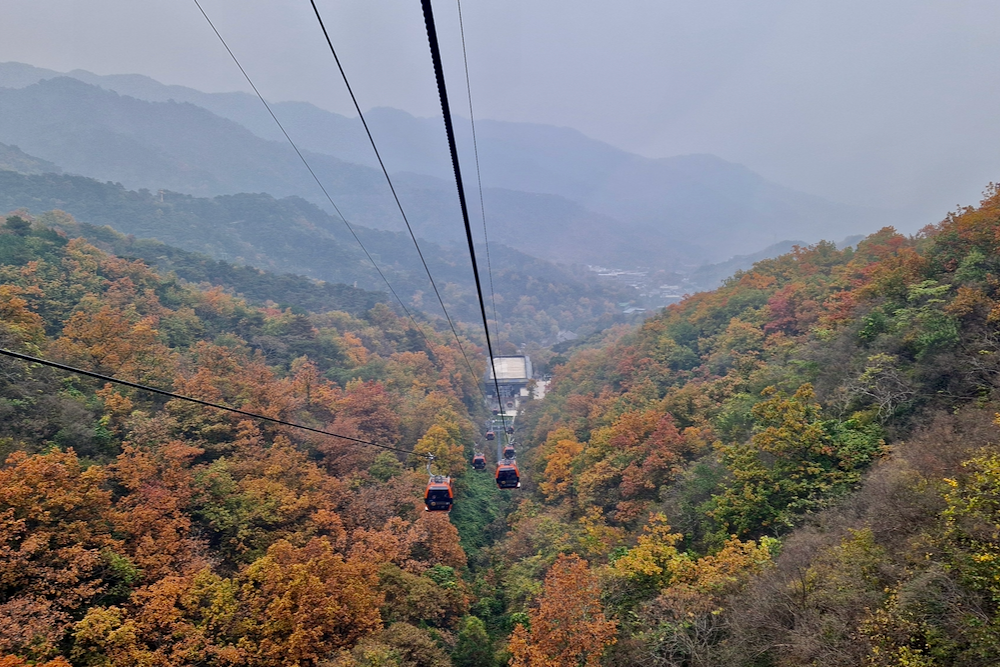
{"type": "Point", "coordinates": [568, 627]}
{"type": "Point", "coordinates": [57, 553]}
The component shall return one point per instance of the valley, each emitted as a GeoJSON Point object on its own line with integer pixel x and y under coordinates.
{"type": "Point", "coordinates": [683, 416]}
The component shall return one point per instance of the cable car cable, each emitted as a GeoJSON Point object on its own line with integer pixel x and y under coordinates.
{"type": "Point", "coordinates": [479, 176]}
{"type": "Point", "coordinates": [452, 147]}
{"type": "Point", "coordinates": [313, 174]}
{"type": "Point", "coordinates": [198, 401]}
{"type": "Point", "coordinates": [479, 182]}
{"type": "Point", "coordinates": [392, 188]}
{"type": "Point", "coordinates": [329, 198]}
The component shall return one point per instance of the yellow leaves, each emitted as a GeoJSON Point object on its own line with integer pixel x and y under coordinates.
{"type": "Point", "coordinates": [558, 476]}
{"type": "Point", "coordinates": [449, 454]}
{"type": "Point", "coordinates": [17, 318]}
{"type": "Point", "coordinates": [685, 587]}
{"type": "Point", "coordinates": [727, 570]}
{"type": "Point", "coordinates": [597, 537]}
{"type": "Point", "coordinates": [356, 352]}
{"type": "Point", "coordinates": [435, 407]}
{"type": "Point", "coordinates": [292, 606]}
{"type": "Point", "coordinates": [302, 603]}
{"type": "Point", "coordinates": [654, 556]}
{"type": "Point", "coordinates": [972, 522]}
{"type": "Point", "coordinates": [894, 637]}
{"type": "Point", "coordinates": [83, 261]}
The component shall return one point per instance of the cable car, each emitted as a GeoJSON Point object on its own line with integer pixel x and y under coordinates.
{"type": "Point", "coordinates": [508, 451]}
{"type": "Point", "coordinates": [507, 475]}
{"type": "Point", "coordinates": [439, 496]}
{"type": "Point", "coordinates": [510, 430]}
{"type": "Point", "coordinates": [479, 461]}
{"type": "Point", "coordinates": [490, 435]}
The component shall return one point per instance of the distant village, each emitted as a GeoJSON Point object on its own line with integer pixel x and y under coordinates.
{"type": "Point", "coordinates": [654, 289]}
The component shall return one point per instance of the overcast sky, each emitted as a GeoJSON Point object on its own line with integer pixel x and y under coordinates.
{"type": "Point", "coordinates": [892, 103]}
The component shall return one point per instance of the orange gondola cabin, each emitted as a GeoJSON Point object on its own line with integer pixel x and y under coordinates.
{"type": "Point", "coordinates": [479, 461]}
{"type": "Point", "coordinates": [507, 475]}
{"type": "Point", "coordinates": [490, 435]}
{"type": "Point", "coordinates": [508, 451]}
{"type": "Point", "coordinates": [439, 497]}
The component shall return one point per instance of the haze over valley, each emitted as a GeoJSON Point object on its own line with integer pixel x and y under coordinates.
{"type": "Point", "coordinates": [550, 192]}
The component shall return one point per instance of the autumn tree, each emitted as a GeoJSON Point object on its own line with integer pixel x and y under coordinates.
{"type": "Point", "coordinates": [399, 645]}
{"type": "Point", "coordinates": [363, 410]}
{"type": "Point", "coordinates": [246, 503]}
{"type": "Point", "coordinates": [558, 476]}
{"type": "Point", "coordinates": [437, 540]}
{"type": "Point", "coordinates": [57, 552]}
{"type": "Point", "coordinates": [419, 599]}
{"type": "Point", "coordinates": [152, 518]}
{"type": "Point", "coordinates": [568, 626]}
{"type": "Point", "coordinates": [117, 342]}
{"type": "Point", "coordinates": [653, 563]}
{"type": "Point", "coordinates": [972, 524]}
{"type": "Point", "coordinates": [300, 604]}
{"type": "Point", "coordinates": [177, 620]}
{"type": "Point", "coordinates": [442, 443]}
{"type": "Point", "coordinates": [19, 325]}
{"type": "Point", "coordinates": [687, 620]}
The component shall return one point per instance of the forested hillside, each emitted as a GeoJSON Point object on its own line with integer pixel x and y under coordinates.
{"type": "Point", "coordinates": [136, 530]}
{"type": "Point", "coordinates": [535, 298]}
{"type": "Point", "coordinates": [799, 468]}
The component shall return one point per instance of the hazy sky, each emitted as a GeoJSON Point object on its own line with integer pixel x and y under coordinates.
{"type": "Point", "coordinates": [892, 103]}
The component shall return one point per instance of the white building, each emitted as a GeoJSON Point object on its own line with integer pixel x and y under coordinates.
{"type": "Point", "coordinates": [512, 376]}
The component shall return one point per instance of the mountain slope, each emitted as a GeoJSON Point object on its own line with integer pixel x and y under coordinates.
{"type": "Point", "coordinates": [536, 299]}
{"type": "Point", "coordinates": [13, 158]}
{"type": "Point", "coordinates": [698, 206]}
{"type": "Point", "coordinates": [798, 468]}
{"type": "Point", "coordinates": [116, 502]}
{"type": "Point", "coordinates": [185, 148]}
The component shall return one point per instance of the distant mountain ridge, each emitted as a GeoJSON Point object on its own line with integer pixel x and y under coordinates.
{"type": "Point", "coordinates": [535, 298]}
{"type": "Point", "coordinates": [185, 148]}
{"type": "Point", "coordinates": [552, 192]}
